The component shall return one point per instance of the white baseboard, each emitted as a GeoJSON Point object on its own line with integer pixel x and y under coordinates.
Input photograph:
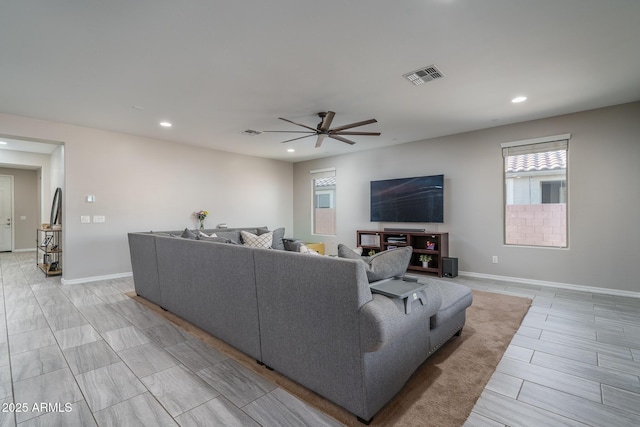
{"type": "Point", "coordinates": [24, 250]}
{"type": "Point", "coordinates": [592, 289]}
{"type": "Point", "coordinates": [95, 278]}
{"type": "Point", "coordinates": [559, 285]}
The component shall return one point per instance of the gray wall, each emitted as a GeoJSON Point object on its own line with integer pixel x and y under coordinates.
{"type": "Point", "coordinates": [146, 184]}
{"type": "Point", "coordinates": [25, 204]}
{"type": "Point", "coordinates": [604, 198]}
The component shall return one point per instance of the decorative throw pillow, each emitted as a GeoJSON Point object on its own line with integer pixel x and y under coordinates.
{"type": "Point", "coordinates": [263, 241]}
{"type": "Point", "coordinates": [346, 252]}
{"type": "Point", "coordinates": [202, 234]}
{"type": "Point", "coordinates": [305, 250]}
{"type": "Point", "coordinates": [383, 265]}
{"type": "Point", "coordinates": [188, 234]}
{"type": "Point", "coordinates": [278, 236]}
{"type": "Point", "coordinates": [214, 239]}
{"type": "Point", "coordinates": [390, 263]}
{"type": "Point", "coordinates": [292, 244]}
{"type": "Point", "coordinates": [231, 236]}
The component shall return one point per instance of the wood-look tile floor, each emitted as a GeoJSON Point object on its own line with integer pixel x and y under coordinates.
{"type": "Point", "coordinates": [86, 355]}
{"type": "Point", "coordinates": [575, 361]}
{"type": "Point", "coordinates": [83, 355]}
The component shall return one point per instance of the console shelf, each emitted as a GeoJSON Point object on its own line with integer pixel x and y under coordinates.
{"type": "Point", "coordinates": [434, 244]}
{"type": "Point", "coordinates": [49, 251]}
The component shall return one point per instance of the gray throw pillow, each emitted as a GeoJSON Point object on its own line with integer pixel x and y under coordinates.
{"type": "Point", "coordinates": [278, 235]}
{"type": "Point", "coordinates": [231, 236]}
{"type": "Point", "coordinates": [188, 234]}
{"type": "Point", "coordinates": [346, 252]}
{"type": "Point", "coordinates": [383, 265]}
{"type": "Point", "coordinates": [389, 263]}
{"type": "Point", "coordinates": [292, 244]}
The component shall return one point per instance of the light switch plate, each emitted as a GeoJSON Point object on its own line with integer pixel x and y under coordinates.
{"type": "Point", "coordinates": [85, 219]}
{"type": "Point", "coordinates": [98, 218]}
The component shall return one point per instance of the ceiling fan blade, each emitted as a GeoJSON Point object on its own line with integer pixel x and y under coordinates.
{"type": "Point", "coordinates": [289, 131]}
{"type": "Point", "coordinates": [320, 139]}
{"type": "Point", "coordinates": [357, 133]}
{"type": "Point", "coordinates": [298, 124]}
{"type": "Point", "coordinates": [326, 121]}
{"type": "Point", "coordinates": [339, 138]}
{"type": "Point", "coordinates": [353, 125]}
{"type": "Point", "coordinates": [300, 137]}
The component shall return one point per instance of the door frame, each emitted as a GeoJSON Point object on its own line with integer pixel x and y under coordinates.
{"type": "Point", "coordinates": [13, 226]}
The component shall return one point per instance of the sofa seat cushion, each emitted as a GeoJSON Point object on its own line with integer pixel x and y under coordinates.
{"type": "Point", "coordinates": [383, 265]}
{"type": "Point", "coordinates": [455, 298]}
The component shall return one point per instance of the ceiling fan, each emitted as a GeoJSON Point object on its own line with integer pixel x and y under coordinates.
{"type": "Point", "coordinates": [323, 129]}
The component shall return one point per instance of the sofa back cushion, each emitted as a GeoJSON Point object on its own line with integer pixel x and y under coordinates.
{"type": "Point", "coordinates": [211, 285]}
{"type": "Point", "coordinates": [144, 263]}
{"type": "Point", "coordinates": [309, 316]}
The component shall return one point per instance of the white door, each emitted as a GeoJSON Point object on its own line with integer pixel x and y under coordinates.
{"type": "Point", "coordinates": [6, 212]}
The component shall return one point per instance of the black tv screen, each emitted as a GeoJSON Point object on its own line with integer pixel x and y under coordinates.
{"type": "Point", "coordinates": [418, 199]}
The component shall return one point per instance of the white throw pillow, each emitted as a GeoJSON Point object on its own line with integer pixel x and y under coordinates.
{"type": "Point", "coordinates": [305, 250]}
{"type": "Point", "coordinates": [263, 241]}
{"type": "Point", "coordinates": [206, 235]}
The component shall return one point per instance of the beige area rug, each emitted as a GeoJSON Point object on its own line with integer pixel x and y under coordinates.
{"type": "Point", "coordinates": [444, 389]}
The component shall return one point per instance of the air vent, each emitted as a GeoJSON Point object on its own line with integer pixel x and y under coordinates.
{"type": "Point", "coordinates": [424, 75]}
{"type": "Point", "coordinates": [251, 132]}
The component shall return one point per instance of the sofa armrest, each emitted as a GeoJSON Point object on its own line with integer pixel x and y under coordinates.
{"type": "Point", "coordinates": [383, 319]}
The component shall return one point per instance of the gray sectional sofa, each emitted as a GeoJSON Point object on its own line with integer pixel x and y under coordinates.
{"type": "Point", "coordinates": [312, 318]}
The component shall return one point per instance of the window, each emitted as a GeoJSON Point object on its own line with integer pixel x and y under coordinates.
{"type": "Point", "coordinates": [554, 191]}
{"type": "Point", "coordinates": [324, 201]}
{"type": "Point", "coordinates": [535, 191]}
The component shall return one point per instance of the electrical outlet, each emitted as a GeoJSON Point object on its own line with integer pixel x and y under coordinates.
{"type": "Point", "coordinates": [98, 218]}
{"type": "Point", "coordinates": [85, 219]}
{"type": "Point", "coordinates": [495, 259]}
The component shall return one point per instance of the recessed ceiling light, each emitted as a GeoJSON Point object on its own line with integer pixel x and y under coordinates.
{"type": "Point", "coordinates": [165, 124]}
{"type": "Point", "coordinates": [518, 99]}
{"type": "Point", "coordinates": [3, 142]}
{"type": "Point", "coordinates": [291, 150]}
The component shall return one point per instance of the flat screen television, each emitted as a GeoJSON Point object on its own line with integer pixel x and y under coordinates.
{"type": "Point", "coordinates": [418, 199]}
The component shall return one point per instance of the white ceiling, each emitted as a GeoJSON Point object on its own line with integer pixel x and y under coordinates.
{"type": "Point", "coordinates": [216, 68]}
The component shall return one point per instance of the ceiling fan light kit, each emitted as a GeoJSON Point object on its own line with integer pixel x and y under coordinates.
{"type": "Point", "coordinates": [323, 129]}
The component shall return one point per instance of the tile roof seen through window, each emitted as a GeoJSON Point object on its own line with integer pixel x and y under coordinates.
{"type": "Point", "coordinates": [550, 160]}
{"type": "Point", "coordinates": [325, 182]}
